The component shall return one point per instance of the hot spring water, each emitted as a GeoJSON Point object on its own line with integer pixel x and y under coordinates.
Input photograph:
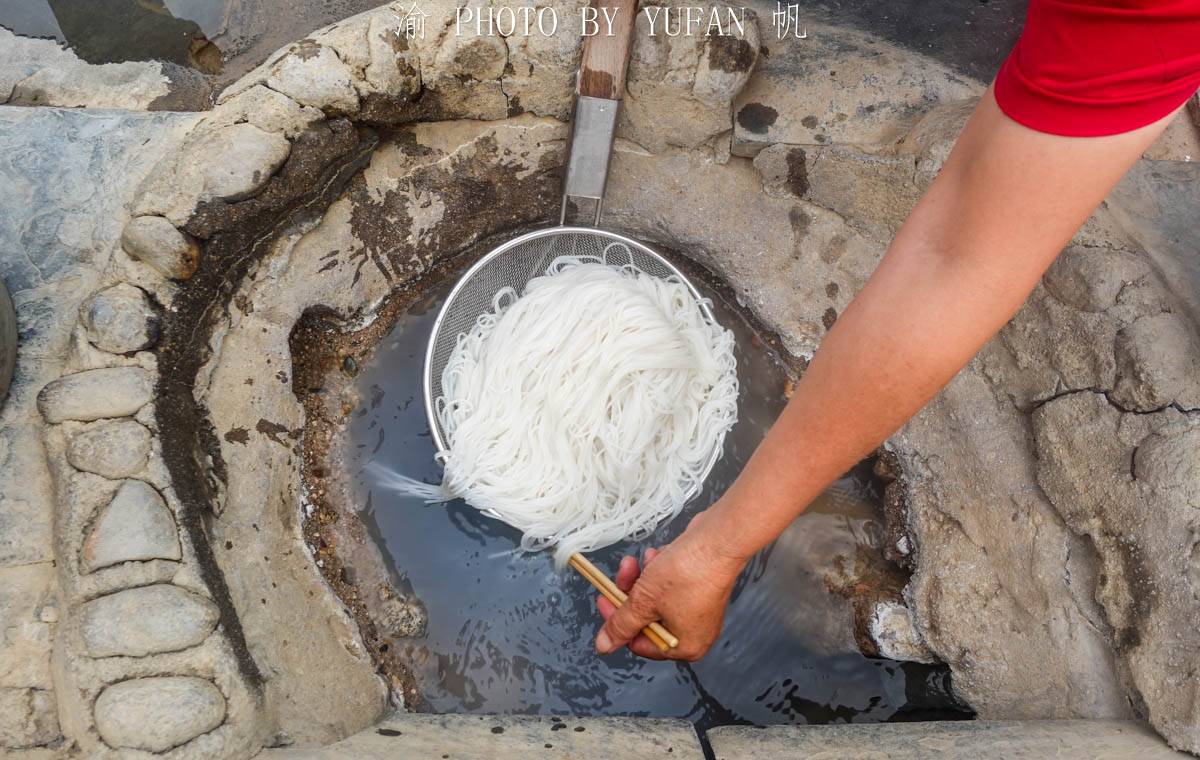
{"type": "Point", "coordinates": [506, 634]}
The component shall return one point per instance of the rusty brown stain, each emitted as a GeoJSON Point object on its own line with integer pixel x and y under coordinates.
{"type": "Point", "coordinates": [730, 54]}
{"type": "Point", "coordinates": [797, 172]}
{"type": "Point", "coordinates": [273, 430]}
{"type": "Point", "coordinates": [597, 84]}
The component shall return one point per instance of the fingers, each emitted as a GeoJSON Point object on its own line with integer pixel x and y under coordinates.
{"type": "Point", "coordinates": [641, 646]}
{"type": "Point", "coordinates": [625, 623]}
{"type": "Point", "coordinates": [649, 555]}
{"type": "Point", "coordinates": [627, 572]}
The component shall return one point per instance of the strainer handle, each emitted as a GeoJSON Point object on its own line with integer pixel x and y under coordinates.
{"type": "Point", "coordinates": [602, 67]}
{"type": "Point", "coordinates": [605, 58]}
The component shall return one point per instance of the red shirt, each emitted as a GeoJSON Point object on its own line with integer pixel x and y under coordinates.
{"type": "Point", "coordinates": [1100, 67]}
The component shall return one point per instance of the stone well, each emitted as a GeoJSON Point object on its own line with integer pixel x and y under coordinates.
{"type": "Point", "coordinates": [1043, 504]}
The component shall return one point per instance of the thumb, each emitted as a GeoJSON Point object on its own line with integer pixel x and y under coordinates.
{"type": "Point", "coordinates": [626, 623]}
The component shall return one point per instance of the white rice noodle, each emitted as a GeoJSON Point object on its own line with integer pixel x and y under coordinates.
{"type": "Point", "coordinates": [587, 410]}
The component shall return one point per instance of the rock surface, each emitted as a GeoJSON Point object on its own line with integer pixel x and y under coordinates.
{"type": "Point", "coordinates": [146, 620]}
{"type": "Point", "coordinates": [316, 77]}
{"type": "Point", "coordinates": [1031, 579]}
{"type": "Point", "coordinates": [27, 718]}
{"type": "Point", "coordinates": [96, 394]}
{"type": "Point", "coordinates": [509, 737]}
{"type": "Point", "coordinates": [113, 449]}
{"type": "Point", "coordinates": [27, 615]}
{"type": "Point", "coordinates": [155, 241]}
{"type": "Point", "coordinates": [895, 634]}
{"type": "Point", "coordinates": [156, 714]}
{"type": "Point", "coordinates": [38, 72]}
{"type": "Point", "coordinates": [120, 319]}
{"type": "Point", "coordinates": [680, 88]}
{"type": "Point", "coordinates": [65, 177]}
{"type": "Point", "coordinates": [1158, 364]}
{"type": "Point", "coordinates": [238, 160]}
{"type": "Point", "coordinates": [135, 526]}
{"type": "Point", "coordinates": [958, 740]}
{"type": "Point", "coordinates": [844, 87]}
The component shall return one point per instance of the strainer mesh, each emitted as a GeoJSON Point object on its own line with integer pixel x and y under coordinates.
{"type": "Point", "coordinates": [513, 265]}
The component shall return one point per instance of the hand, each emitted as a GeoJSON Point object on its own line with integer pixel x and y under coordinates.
{"type": "Point", "coordinates": [685, 585]}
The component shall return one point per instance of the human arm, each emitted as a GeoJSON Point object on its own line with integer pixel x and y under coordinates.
{"type": "Point", "coordinates": [1007, 200]}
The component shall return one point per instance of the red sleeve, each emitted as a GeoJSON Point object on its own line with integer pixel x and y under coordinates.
{"type": "Point", "coordinates": [1086, 68]}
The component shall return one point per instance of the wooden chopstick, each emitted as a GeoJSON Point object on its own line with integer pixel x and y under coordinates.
{"type": "Point", "coordinates": [660, 636]}
{"type": "Point", "coordinates": [616, 596]}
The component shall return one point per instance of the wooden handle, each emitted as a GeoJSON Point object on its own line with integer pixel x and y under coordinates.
{"type": "Point", "coordinates": [660, 636]}
{"type": "Point", "coordinates": [606, 57]}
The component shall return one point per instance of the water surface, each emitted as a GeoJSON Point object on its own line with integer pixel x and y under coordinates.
{"type": "Point", "coordinates": [507, 634]}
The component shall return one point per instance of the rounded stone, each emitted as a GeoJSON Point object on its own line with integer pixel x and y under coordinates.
{"type": "Point", "coordinates": [114, 449]}
{"type": "Point", "coordinates": [895, 634]}
{"type": "Point", "coordinates": [1157, 364]}
{"type": "Point", "coordinates": [1091, 279]}
{"type": "Point", "coordinates": [238, 160]}
{"type": "Point", "coordinates": [120, 319]}
{"type": "Point", "coordinates": [153, 240]}
{"type": "Point", "coordinates": [159, 713]}
{"type": "Point", "coordinates": [1169, 459]}
{"type": "Point", "coordinates": [146, 620]}
{"type": "Point", "coordinates": [135, 526]}
{"type": "Point", "coordinates": [313, 75]}
{"type": "Point", "coordinates": [96, 394]}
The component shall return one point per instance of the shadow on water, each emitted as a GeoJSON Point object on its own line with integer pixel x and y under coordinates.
{"type": "Point", "coordinates": [111, 31]}
{"type": "Point", "coordinates": [507, 634]}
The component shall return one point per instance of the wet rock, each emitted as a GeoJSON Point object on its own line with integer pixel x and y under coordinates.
{"type": "Point", "coordinates": [155, 241]}
{"type": "Point", "coordinates": [156, 714]}
{"type": "Point", "coordinates": [391, 67]}
{"type": "Point", "coordinates": [846, 87]}
{"type": "Point", "coordinates": [38, 72]}
{"type": "Point", "coordinates": [135, 526]}
{"type": "Point", "coordinates": [896, 637]}
{"type": "Point", "coordinates": [1158, 363]}
{"type": "Point", "coordinates": [146, 620]}
{"type": "Point", "coordinates": [680, 88]}
{"type": "Point", "coordinates": [313, 75]}
{"type": "Point", "coordinates": [463, 73]}
{"type": "Point", "coordinates": [120, 319]}
{"type": "Point", "coordinates": [28, 718]}
{"type": "Point", "coordinates": [1090, 279]}
{"type": "Point", "coordinates": [402, 617]}
{"type": "Point", "coordinates": [112, 449]}
{"type": "Point", "coordinates": [383, 65]}
{"type": "Point", "coordinates": [96, 394]}
{"type": "Point", "coordinates": [238, 160]}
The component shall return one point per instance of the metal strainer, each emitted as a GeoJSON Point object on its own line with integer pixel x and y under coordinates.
{"type": "Point", "coordinates": [513, 264]}
{"type": "Point", "coordinates": [601, 85]}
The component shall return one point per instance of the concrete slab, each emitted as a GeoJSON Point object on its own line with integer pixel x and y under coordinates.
{"type": "Point", "coordinates": [953, 740]}
{"type": "Point", "coordinates": [505, 737]}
